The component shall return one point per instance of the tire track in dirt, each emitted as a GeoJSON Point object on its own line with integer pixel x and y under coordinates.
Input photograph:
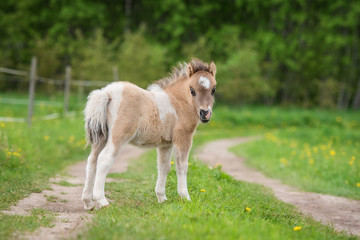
{"type": "Point", "coordinates": [342, 213]}
{"type": "Point", "coordinates": [65, 201]}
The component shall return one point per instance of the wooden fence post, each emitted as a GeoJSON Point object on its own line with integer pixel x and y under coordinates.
{"type": "Point", "coordinates": [67, 89]}
{"type": "Point", "coordinates": [115, 74]}
{"type": "Point", "coordinates": [31, 90]}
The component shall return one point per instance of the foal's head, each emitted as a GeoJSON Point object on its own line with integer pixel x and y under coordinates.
{"type": "Point", "coordinates": [202, 87]}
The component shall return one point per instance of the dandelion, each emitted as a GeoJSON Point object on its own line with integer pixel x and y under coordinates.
{"type": "Point", "coordinates": [311, 161]}
{"type": "Point", "coordinates": [46, 137]}
{"type": "Point", "coordinates": [189, 164]}
{"type": "Point", "coordinates": [338, 119]}
{"type": "Point", "coordinates": [315, 149]}
{"type": "Point", "coordinates": [297, 228]}
{"type": "Point", "coordinates": [71, 139]}
{"type": "Point", "coordinates": [247, 209]}
{"type": "Point", "coordinates": [16, 154]}
{"type": "Point", "coordinates": [2, 125]}
{"type": "Point", "coordinates": [172, 163]}
{"type": "Point", "coordinates": [332, 153]}
{"type": "Point", "coordinates": [358, 184]}
{"type": "Point", "coordinates": [203, 190]}
{"type": "Point", "coordinates": [351, 162]}
{"type": "Point", "coordinates": [283, 161]}
{"type": "Point", "coordinates": [9, 153]}
{"type": "Point", "coordinates": [218, 165]}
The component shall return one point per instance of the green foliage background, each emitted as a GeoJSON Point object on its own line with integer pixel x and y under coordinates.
{"type": "Point", "coordinates": [291, 52]}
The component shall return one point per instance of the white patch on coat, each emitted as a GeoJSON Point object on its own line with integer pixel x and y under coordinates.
{"type": "Point", "coordinates": [204, 82]}
{"type": "Point", "coordinates": [114, 90]}
{"type": "Point", "coordinates": [162, 102]}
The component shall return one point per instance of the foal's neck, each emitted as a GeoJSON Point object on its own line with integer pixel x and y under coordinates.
{"type": "Point", "coordinates": [180, 91]}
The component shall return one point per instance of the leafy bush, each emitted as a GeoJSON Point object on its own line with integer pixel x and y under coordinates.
{"type": "Point", "coordinates": [140, 61]}
{"type": "Point", "coordinates": [240, 77]}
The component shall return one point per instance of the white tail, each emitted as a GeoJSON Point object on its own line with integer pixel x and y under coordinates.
{"type": "Point", "coordinates": [96, 117]}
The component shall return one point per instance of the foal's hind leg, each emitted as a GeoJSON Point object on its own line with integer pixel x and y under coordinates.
{"type": "Point", "coordinates": [105, 160]}
{"type": "Point", "coordinates": [90, 176]}
{"type": "Point", "coordinates": [164, 165]}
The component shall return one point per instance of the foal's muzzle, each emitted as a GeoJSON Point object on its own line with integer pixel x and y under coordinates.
{"type": "Point", "coordinates": [205, 115]}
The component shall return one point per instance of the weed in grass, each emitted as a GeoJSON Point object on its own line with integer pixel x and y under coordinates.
{"type": "Point", "coordinates": [66, 184]}
{"type": "Point", "coordinates": [51, 198]}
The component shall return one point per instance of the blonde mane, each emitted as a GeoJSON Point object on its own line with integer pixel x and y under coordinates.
{"type": "Point", "coordinates": [180, 72]}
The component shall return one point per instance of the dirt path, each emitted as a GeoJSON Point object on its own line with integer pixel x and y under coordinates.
{"type": "Point", "coordinates": [65, 201]}
{"type": "Point", "coordinates": [343, 213]}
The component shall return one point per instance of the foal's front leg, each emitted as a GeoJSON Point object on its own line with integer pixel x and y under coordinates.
{"type": "Point", "coordinates": [164, 165]}
{"type": "Point", "coordinates": [182, 154]}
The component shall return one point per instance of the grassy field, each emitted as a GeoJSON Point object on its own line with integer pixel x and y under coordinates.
{"type": "Point", "coordinates": [30, 156]}
{"type": "Point", "coordinates": [221, 208]}
{"type": "Point", "coordinates": [316, 151]}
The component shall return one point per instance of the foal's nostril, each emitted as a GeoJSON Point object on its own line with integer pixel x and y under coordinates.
{"type": "Point", "coordinates": [203, 113]}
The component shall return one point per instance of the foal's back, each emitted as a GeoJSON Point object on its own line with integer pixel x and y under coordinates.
{"type": "Point", "coordinates": [146, 118]}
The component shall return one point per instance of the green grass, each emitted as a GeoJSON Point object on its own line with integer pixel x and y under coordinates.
{"type": "Point", "coordinates": [11, 226]}
{"type": "Point", "coordinates": [44, 104]}
{"type": "Point", "coordinates": [30, 156]}
{"type": "Point", "coordinates": [316, 151]}
{"type": "Point", "coordinates": [219, 212]}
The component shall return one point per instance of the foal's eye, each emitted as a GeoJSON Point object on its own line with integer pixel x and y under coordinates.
{"type": "Point", "coordinates": [192, 91]}
{"type": "Point", "coordinates": [213, 91]}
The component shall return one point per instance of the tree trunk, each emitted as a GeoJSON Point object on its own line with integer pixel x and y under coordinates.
{"type": "Point", "coordinates": [340, 102]}
{"type": "Point", "coordinates": [356, 102]}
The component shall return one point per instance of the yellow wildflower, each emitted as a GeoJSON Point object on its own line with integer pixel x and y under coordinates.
{"type": "Point", "coordinates": [172, 163]}
{"type": "Point", "coordinates": [71, 139]}
{"type": "Point", "coordinates": [332, 153]}
{"type": "Point", "coordinates": [338, 119]}
{"type": "Point", "coordinates": [297, 228]}
{"type": "Point", "coordinates": [46, 137]}
{"type": "Point", "coordinates": [9, 153]}
{"type": "Point", "coordinates": [283, 161]}
{"type": "Point", "coordinates": [351, 162]}
{"type": "Point", "coordinates": [248, 209]}
{"type": "Point", "coordinates": [218, 165]}
{"type": "Point", "coordinates": [189, 164]}
{"type": "Point", "coordinates": [203, 190]}
{"type": "Point", "coordinates": [16, 154]}
{"type": "Point", "coordinates": [358, 184]}
{"type": "Point", "coordinates": [311, 161]}
{"type": "Point", "coordinates": [2, 125]}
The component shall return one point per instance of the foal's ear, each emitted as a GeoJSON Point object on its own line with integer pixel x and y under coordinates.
{"type": "Point", "coordinates": [190, 69]}
{"type": "Point", "coordinates": [212, 68]}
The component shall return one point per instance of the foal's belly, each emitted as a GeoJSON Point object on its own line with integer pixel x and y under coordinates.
{"type": "Point", "coordinates": [152, 136]}
{"type": "Point", "coordinates": [149, 140]}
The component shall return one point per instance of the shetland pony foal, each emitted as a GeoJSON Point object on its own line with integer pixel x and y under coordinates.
{"type": "Point", "coordinates": [164, 116]}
